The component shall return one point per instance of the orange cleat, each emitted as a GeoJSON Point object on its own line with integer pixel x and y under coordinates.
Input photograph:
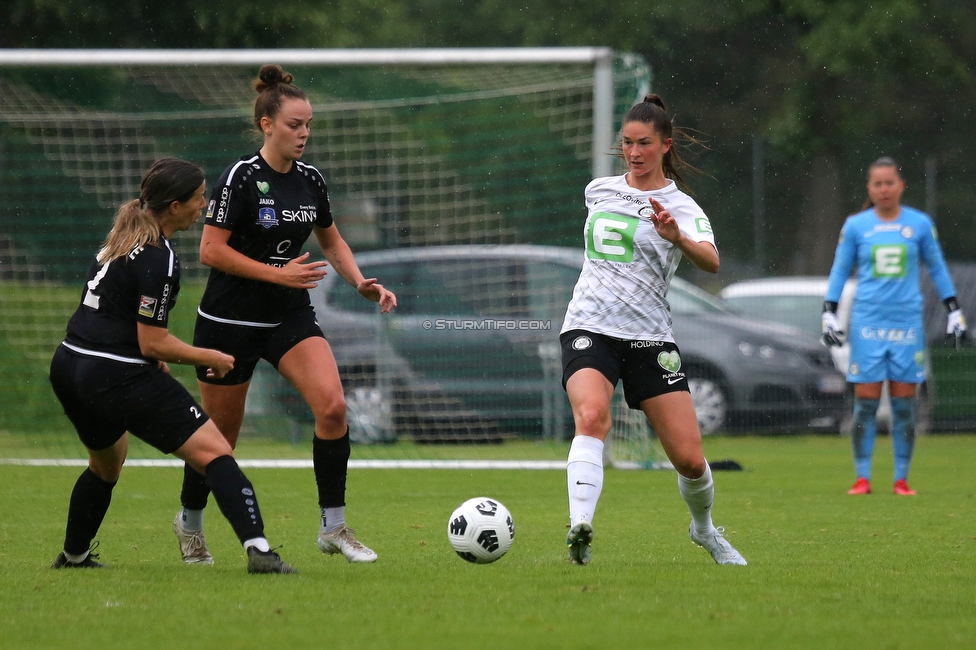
{"type": "Point", "coordinates": [861, 486]}
{"type": "Point", "coordinates": [902, 489]}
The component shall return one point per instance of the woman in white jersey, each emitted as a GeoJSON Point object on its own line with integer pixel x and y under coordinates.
{"type": "Point", "coordinates": [618, 325]}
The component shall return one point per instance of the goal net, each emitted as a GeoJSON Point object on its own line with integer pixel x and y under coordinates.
{"type": "Point", "coordinates": [420, 148]}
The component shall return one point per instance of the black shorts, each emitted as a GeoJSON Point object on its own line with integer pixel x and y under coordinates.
{"type": "Point", "coordinates": [104, 399]}
{"type": "Point", "coordinates": [248, 344]}
{"type": "Point", "coordinates": [647, 368]}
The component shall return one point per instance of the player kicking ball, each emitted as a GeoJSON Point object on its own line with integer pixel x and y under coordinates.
{"type": "Point", "coordinates": [618, 326]}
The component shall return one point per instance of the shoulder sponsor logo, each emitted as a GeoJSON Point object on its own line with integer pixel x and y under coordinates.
{"type": "Point", "coordinates": [147, 306]}
{"type": "Point", "coordinates": [582, 342]}
{"type": "Point", "coordinates": [854, 369]}
{"type": "Point", "coordinates": [210, 209]}
{"type": "Point", "coordinates": [703, 225]}
{"type": "Point", "coordinates": [935, 233]}
{"type": "Point", "coordinates": [670, 361]}
{"type": "Point", "coordinates": [263, 187]}
{"type": "Point", "coordinates": [267, 218]}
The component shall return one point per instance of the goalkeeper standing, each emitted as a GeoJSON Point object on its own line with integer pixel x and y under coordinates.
{"type": "Point", "coordinates": [887, 242]}
{"type": "Point", "coordinates": [618, 325]}
{"type": "Point", "coordinates": [256, 305]}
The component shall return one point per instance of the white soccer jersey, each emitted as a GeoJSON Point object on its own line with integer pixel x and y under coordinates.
{"type": "Point", "coordinates": [628, 267]}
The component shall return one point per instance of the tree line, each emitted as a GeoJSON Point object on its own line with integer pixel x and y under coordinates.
{"type": "Point", "coordinates": [793, 97]}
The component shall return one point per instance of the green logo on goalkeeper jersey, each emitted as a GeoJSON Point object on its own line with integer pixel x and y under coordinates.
{"type": "Point", "coordinates": [890, 260]}
{"type": "Point", "coordinates": [610, 237]}
{"type": "Point", "coordinates": [263, 187]}
{"type": "Point", "coordinates": [670, 361]}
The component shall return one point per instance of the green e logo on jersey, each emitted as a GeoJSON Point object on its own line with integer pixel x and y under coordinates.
{"type": "Point", "coordinates": [890, 260]}
{"type": "Point", "coordinates": [610, 237]}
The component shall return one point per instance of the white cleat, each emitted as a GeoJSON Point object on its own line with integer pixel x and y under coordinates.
{"type": "Point", "coordinates": [193, 545]}
{"type": "Point", "coordinates": [713, 542]}
{"type": "Point", "coordinates": [343, 540]}
{"type": "Point", "coordinates": [578, 541]}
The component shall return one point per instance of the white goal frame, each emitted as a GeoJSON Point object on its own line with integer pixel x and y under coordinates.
{"type": "Point", "coordinates": [601, 58]}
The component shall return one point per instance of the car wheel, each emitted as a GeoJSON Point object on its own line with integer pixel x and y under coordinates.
{"type": "Point", "coordinates": [710, 402]}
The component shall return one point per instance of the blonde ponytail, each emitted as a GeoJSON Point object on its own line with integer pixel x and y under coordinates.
{"type": "Point", "coordinates": [133, 226]}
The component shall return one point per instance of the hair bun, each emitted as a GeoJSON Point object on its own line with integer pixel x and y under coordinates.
{"type": "Point", "coordinates": [654, 99]}
{"type": "Point", "coordinates": [271, 74]}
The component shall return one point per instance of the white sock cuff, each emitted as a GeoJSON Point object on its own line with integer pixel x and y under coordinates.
{"type": "Point", "coordinates": [586, 449]}
{"type": "Point", "coordinates": [260, 542]}
{"type": "Point", "coordinates": [701, 481]}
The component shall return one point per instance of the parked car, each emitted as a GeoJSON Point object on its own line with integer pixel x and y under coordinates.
{"type": "Point", "coordinates": [798, 301]}
{"type": "Point", "coordinates": [472, 350]}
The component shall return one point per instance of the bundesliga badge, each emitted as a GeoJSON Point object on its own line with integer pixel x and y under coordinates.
{"type": "Point", "coordinates": [267, 218]}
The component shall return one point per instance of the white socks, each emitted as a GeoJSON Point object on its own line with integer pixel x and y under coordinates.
{"type": "Point", "coordinates": [333, 519]}
{"type": "Point", "coordinates": [191, 519]}
{"type": "Point", "coordinates": [260, 542]}
{"type": "Point", "coordinates": [584, 477]}
{"type": "Point", "coordinates": [699, 493]}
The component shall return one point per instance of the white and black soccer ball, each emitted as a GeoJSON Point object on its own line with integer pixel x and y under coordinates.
{"type": "Point", "coordinates": [481, 530]}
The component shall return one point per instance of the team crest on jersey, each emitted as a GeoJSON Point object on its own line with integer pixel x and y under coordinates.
{"type": "Point", "coordinates": [267, 217]}
{"type": "Point", "coordinates": [907, 232]}
{"type": "Point", "coordinates": [582, 342]}
{"type": "Point", "coordinates": [263, 187]}
{"type": "Point", "coordinates": [147, 306]}
{"type": "Point", "coordinates": [670, 361]}
{"type": "Point", "coordinates": [645, 212]}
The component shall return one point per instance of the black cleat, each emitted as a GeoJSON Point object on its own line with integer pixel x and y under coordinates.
{"type": "Point", "coordinates": [62, 562]}
{"type": "Point", "coordinates": [266, 562]}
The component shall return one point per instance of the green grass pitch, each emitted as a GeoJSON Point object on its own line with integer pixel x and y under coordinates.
{"type": "Point", "coordinates": [826, 570]}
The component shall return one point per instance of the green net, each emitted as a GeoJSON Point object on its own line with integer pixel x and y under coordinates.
{"type": "Point", "coordinates": [414, 156]}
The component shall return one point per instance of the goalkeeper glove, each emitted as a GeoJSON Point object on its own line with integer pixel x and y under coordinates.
{"type": "Point", "coordinates": [830, 326]}
{"type": "Point", "coordinates": [956, 321]}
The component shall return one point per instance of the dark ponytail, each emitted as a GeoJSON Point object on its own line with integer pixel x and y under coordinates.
{"type": "Point", "coordinates": [651, 111]}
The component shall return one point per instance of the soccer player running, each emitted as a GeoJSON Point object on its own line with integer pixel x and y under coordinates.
{"type": "Point", "coordinates": [110, 372]}
{"type": "Point", "coordinates": [618, 325]}
{"type": "Point", "coordinates": [256, 305]}
{"type": "Point", "coordinates": [886, 241]}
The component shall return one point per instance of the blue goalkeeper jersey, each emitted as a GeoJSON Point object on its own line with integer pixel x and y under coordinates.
{"type": "Point", "coordinates": [887, 255]}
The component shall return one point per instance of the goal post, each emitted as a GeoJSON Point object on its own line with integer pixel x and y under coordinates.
{"type": "Point", "coordinates": [420, 147]}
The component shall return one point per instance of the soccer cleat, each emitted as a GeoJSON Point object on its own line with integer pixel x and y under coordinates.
{"type": "Point", "coordinates": [193, 545]}
{"type": "Point", "coordinates": [713, 542]}
{"type": "Point", "coordinates": [62, 562]}
{"type": "Point", "coordinates": [343, 540]}
{"type": "Point", "coordinates": [266, 562]}
{"type": "Point", "coordinates": [861, 486]}
{"type": "Point", "coordinates": [902, 489]}
{"type": "Point", "coordinates": [578, 541]}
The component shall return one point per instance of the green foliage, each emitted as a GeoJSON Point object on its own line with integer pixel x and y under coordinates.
{"type": "Point", "coordinates": [825, 569]}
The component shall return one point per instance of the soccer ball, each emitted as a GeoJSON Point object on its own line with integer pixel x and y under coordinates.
{"type": "Point", "coordinates": [481, 530]}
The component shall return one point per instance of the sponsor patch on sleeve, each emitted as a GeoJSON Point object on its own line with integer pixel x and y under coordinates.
{"type": "Point", "coordinates": [147, 306]}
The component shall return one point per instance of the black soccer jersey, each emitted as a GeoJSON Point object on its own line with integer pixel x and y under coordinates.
{"type": "Point", "coordinates": [270, 216]}
{"type": "Point", "coordinates": [140, 287]}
